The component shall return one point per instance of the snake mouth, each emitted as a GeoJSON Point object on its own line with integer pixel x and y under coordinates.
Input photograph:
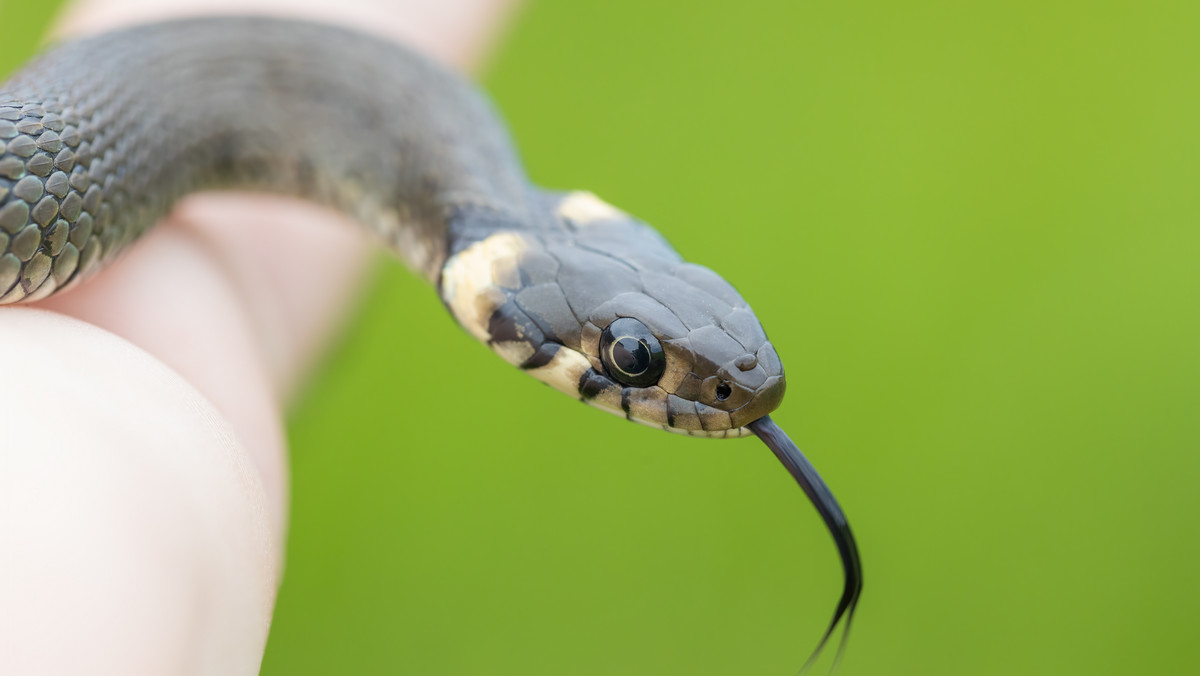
{"type": "Point", "coordinates": [766, 398]}
{"type": "Point", "coordinates": [835, 520]}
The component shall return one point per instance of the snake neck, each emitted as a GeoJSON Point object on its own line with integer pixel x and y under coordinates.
{"type": "Point", "coordinates": [116, 128]}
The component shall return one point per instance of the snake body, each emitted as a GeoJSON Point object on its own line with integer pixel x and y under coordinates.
{"type": "Point", "coordinates": [99, 138]}
{"type": "Point", "coordinates": [103, 135]}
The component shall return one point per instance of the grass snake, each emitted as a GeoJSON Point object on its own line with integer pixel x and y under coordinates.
{"type": "Point", "coordinates": [101, 136]}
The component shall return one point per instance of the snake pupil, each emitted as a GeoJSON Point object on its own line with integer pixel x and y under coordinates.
{"type": "Point", "coordinates": [631, 355]}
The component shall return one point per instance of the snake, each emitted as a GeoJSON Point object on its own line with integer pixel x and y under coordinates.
{"type": "Point", "coordinates": [100, 136]}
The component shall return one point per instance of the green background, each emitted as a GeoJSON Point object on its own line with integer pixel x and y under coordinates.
{"type": "Point", "coordinates": [971, 229]}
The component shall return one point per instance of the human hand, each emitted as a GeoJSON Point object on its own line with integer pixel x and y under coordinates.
{"type": "Point", "coordinates": [143, 497]}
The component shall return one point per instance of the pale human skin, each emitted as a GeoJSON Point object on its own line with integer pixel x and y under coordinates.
{"type": "Point", "coordinates": [143, 467]}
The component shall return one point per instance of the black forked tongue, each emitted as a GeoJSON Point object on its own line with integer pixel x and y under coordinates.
{"type": "Point", "coordinates": [827, 506]}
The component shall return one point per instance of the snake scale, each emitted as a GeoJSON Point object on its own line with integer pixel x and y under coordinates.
{"type": "Point", "coordinates": [99, 138]}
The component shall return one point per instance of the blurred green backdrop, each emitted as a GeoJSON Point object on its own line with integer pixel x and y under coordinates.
{"type": "Point", "coordinates": [972, 231]}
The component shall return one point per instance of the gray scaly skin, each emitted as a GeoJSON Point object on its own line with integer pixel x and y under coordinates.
{"type": "Point", "coordinates": [103, 135]}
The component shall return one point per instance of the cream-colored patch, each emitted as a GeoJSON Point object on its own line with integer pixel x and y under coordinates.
{"type": "Point", "coordinates": [583, 208]}
{"type": "Point", "coordinates": [648, 405]}
{"type": "Point", "coordinates": [564, 371]}
{"type": "Point", "coordinates": [735, 433]}
{"type": "Point", "coordinates": [469, 286]}
{"type": "Point", "coordinates": [506, 273]}
{"type": "Point", "coordinates": [608, 399]}
{"type": "Point", "coordinates": [652, 407]}
{"type": "Point", "coordinates": [704, 434]}
{"type": "Point", "coordinates": [514, 352]}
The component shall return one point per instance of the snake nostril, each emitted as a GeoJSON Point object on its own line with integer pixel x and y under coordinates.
{"type": "Point", "coordinates": [723, 391]}
{"type": "Point", "coordinates": [746, 362]}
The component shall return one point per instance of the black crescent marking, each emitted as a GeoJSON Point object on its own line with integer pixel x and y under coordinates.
{"type": "Point", "coordinates": [544, 355]}
{"type": "Point", "coordinates": [591, 384]}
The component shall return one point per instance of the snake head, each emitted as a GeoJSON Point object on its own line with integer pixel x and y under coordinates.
{"type": "Point", "coordinates": [600, 307]}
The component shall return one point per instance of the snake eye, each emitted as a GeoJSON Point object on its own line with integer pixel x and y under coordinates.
{"type": "Point", "coordinates": [631, 354]}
